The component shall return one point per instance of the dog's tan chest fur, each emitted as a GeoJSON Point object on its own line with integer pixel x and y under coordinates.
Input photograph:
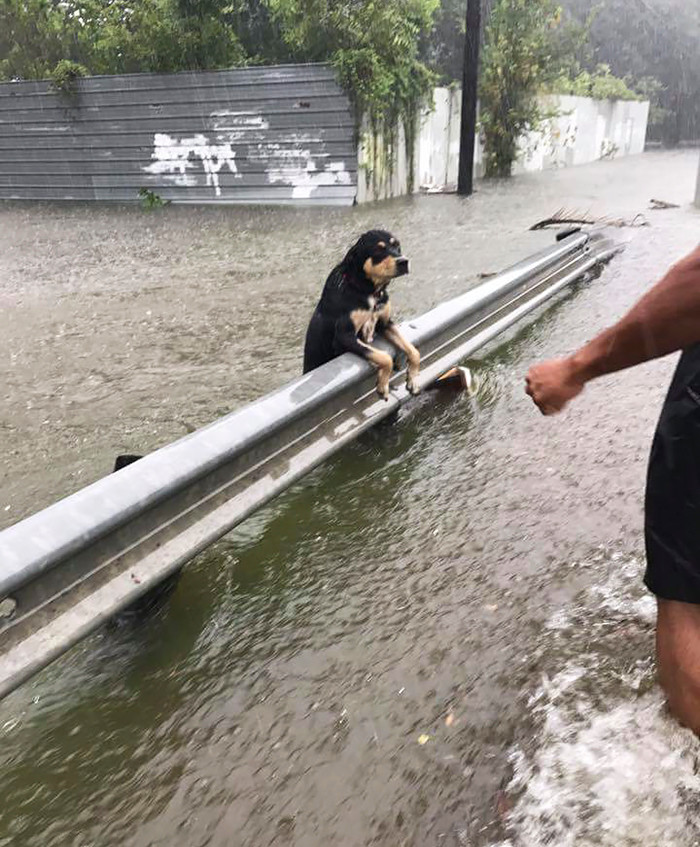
{"type": "Point", "coordinates": [365, 320]}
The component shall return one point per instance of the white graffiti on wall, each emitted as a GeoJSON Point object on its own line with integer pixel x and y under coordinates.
{"type": "Point", "coordinates": [294, 165]}
{"type": "Point", "coordinates": [305, 180]}
{"type": "Point", "coordinates": [173, 157]}
{"type": "Point", "coordinates": [238, 125]}
{"type": "Point", "coordinates": [287, 163]}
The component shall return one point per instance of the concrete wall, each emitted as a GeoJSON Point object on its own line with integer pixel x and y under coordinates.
{"type": "Point", "coordinates": [383, 170]}
{"type": "Point", "coordinates": [585, 130]}
{"type": "Point", "coordinates": [382, 165]}
{"type": "Point", "coordinates": [438, 141]}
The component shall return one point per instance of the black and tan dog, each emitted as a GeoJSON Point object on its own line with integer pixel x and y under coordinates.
{"type": "Point", "coordinates": [355, 305]}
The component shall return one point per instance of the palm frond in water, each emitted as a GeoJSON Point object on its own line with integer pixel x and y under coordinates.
{"type": "Point", "coordinates": [564, 216]}
{"type": "Point", "coordinates": [584, 219]}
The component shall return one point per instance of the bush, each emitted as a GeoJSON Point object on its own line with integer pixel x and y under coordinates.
{"type": "Point", "coordinates": [65, 75]}
{"type": "Point", "coordinates": [600, 85]}
{"type": "Point", "coordinates": [517, 63]}
{"type": "Point", "coordinates": [374, 46]}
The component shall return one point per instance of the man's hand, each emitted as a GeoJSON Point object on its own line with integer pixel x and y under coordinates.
{"type": "Point", "coordinates": [552, 384]}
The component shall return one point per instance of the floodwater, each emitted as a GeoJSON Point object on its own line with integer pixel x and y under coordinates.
{"type": "Point", "coordinates": [440, 637]}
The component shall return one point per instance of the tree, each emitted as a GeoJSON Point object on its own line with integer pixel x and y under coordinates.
{"type": "Point", "coordinates": [115, 36]}
{"type": "Point", "coordinates": [444, 49]}
{"type": "Point", "coordinates": [656, 45]}
{"type": "Point", "coordinates": [373, 44]}
{"type": "Point", "coordinates": [33, 35]}
{"type": "Point", "coordinates": [258, 31]}
{"type": "Point", "coordinates": [653, 45]}
{"type": "Point", "coordinates": [518, 61]}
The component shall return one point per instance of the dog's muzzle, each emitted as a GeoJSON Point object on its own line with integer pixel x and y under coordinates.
{"type": "Point", "coordinates": [401, 266]}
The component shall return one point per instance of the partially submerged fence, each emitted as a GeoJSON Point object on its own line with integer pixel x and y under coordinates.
{"type": "Point", "coordinates": [283, 134]}
{"type": "Point", "coordinates": [280, 134]}
{"type": "Point", "coordinates": [583, 131]}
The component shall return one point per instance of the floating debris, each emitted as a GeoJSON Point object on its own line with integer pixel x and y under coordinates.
{"type": "Point", "coordinates": [562, 216]}
{"type": "Point", "coordinates": [657, 205]}
{"type": "Point", "coordinates": [583, 218]}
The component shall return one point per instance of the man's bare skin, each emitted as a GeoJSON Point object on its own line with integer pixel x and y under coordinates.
{"type": "Point", "coordinates": [665, 320]}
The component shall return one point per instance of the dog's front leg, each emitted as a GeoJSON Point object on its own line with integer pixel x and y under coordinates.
{"type": "Point", "coordinates": [346, 339]}
{"type": "Point", "coordinates": [383, 363]}
{"type": "Point", "coordinates": [392, 334]}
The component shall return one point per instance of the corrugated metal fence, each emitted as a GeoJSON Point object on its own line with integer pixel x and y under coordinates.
{"type": "Point", "coordinates": [280, 134]}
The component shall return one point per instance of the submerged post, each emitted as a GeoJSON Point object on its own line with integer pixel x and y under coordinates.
{"type": "Point", "coordinates": [470, 75]}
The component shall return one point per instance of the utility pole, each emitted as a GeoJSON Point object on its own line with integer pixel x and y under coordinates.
{"type": "Point", "coordinates": [470, 74]}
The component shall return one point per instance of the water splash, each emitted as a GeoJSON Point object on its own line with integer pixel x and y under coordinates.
{"type": "Point", "coordinates": [609, 766]}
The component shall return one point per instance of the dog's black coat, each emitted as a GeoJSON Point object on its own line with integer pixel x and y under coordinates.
{"type": "Point", "coordinates": [331, 330]}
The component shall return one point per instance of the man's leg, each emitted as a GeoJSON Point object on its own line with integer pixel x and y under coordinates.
{"type": "Point", "coordinates": [678, 659]}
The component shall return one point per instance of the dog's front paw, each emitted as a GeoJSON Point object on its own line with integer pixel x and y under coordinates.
{"type": "Point", "coordinates": [411, 385]}
{"type": "Point", "coordinates": [413, 357]}
{"type": "Point", "coordinates": [383, 393]}
{"type": "Point", "coordinates": [383, 385]}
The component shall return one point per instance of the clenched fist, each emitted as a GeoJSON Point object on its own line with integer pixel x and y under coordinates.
{"type": "Point", "coordinates": [552, 384]}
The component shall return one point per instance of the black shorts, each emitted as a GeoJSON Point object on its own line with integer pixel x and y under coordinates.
{"type": "Point", "coordinates": [672, 508]}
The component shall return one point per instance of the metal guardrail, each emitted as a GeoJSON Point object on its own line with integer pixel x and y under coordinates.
{"type": "Point", "coordinates": [69, 568]}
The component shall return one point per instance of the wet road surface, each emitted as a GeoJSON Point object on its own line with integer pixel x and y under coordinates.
{"type": "Point", "coordinates": [440, 637]}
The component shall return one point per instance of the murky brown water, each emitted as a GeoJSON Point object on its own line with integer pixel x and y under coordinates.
{"type": "Point", "coordinates": [419, 584]}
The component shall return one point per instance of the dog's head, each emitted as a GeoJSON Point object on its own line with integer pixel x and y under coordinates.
{"type": "Point", "coordinates": [377, 256]}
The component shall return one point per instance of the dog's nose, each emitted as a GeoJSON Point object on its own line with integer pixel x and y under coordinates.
{"type": "Point", "coordinates": [401, 266]}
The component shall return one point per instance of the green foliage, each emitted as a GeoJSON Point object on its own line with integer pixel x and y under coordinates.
{"type": "Point", "coordinates": [657, 39]}
{"type": "Point", "coordinates": [375, 47]}
{"type": "Point", "coordinates": [652, 90]}
{"type": "Point", "coordinates": [150, 200]}
{"type": "Point", "coordinates": [373, 44]}
{"type": "Point", "coordinates": [639, 39]}
{"type": "Point", "coordinates": [599, 84]}
{"type": "Point", "coordinates": [114, 37]}
{"type": "Point", "coordinates": [518, 61]}
{"type": "Point", "coordinates": [65, 74]}
{"type": "Point", "coordinates": [531, 48]}
{"type": "Point", "coordinates": [445, 47]}
{"type": "Point", "coordinates": [32, 38]}
{"type": "Point", "coordinates": [258, 31]}
{"type": "Point", "coordinates": [157, 35]}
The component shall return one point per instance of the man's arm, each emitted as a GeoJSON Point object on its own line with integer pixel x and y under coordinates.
{"type": "Point", "coordinates": [666, 319]}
